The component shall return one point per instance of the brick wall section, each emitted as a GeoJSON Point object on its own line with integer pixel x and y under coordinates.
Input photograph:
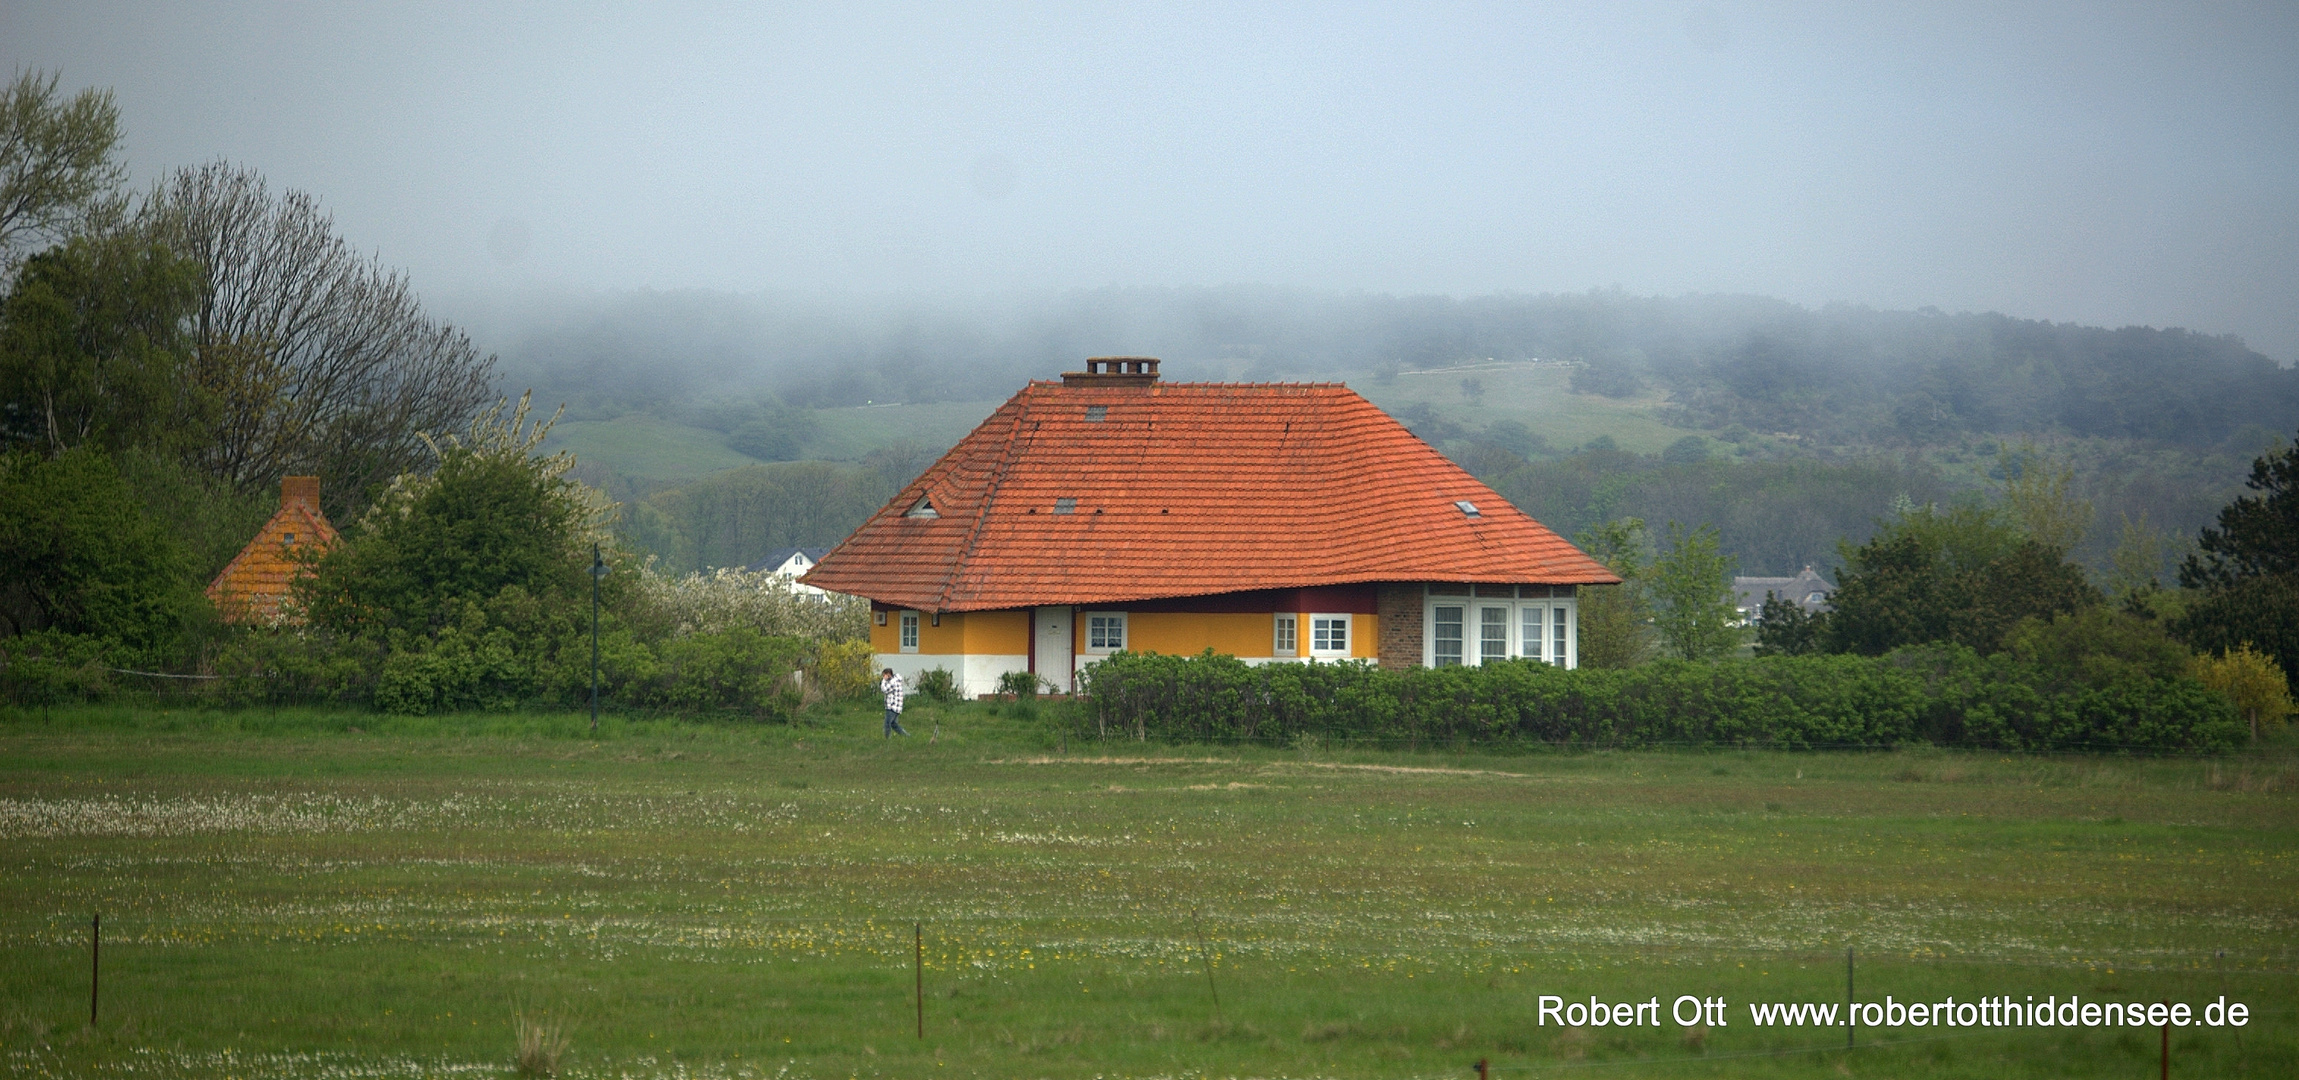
{"type": "Point", "coordinates": [1399, 606]}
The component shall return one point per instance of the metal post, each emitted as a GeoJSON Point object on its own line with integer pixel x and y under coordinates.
{"type": "Point", "coordinates": [1205, 955]}
{"type": "Point", "coordinates": [95, 961]}
{"type": "Point", "coordinates": [598, 570]}
{"type": "Point", "coordinates": [1848, 997]}
{"type": "Point", "coordinates": [918, 965]}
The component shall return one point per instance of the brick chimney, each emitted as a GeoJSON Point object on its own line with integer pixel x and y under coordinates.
{"type": "Point", "coordinates": [1114, 371]}
{"type": "Point", "coordinates": [295, 489]}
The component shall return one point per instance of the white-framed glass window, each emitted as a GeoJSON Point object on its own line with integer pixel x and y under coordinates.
{"type": "Point", "coordinates": [1445, 635]}
{"type": "Point", "coordinates": [909, 631]}
{"type": "Point", "coordinates": [1492, 632]}
{"type": "Point", "coordinates": [1105, 631]}
{"type": "Point", "coordinates": [1461, 630]}
{"type": "Point", "coordinates": [1329, 635]}
{"type": "Point", "coordinates": [1288, 638]}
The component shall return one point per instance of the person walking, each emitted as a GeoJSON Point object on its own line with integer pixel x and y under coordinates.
{"type": "Point", "coordinates": [891, 685]}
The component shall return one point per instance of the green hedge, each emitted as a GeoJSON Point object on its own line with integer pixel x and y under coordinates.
{"type": "Point", "coordinates": [1945, 695]}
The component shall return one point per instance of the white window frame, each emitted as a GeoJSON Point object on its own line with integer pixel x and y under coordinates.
{"type": "Point", "coordinates": [1429, 636]}
{"type": "Point", "coordinates": [1118, 618]}
{"type": "Point", "coordinates": [1554, 615]}
{"type": "Point", "coordinates": [909, 631]}
{"type": "Point", "coordinates": [1285, 634]}
{"type": "Point", "coordinates": [1320, 624]}
{"type": "Point", "coordinates": [1507, 623]}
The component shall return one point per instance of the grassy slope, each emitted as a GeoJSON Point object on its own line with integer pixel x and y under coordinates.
{"type": "Point", "coordinates": [1539, 396]}
{"type": "Point", "coordinates": [283, 896]}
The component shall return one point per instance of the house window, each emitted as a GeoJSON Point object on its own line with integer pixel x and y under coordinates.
{"type": "Point", "coordinates": [1445, 636]}
{"type": "Point", "coordinates": [909, 631]}
{"type": "Point", "coordinates": [1106, 632]}
{"type": "Point", "coordinates": [1492, 634]}
{"type": "Point", "coordinates": [1288, 643]}
{"type": "Point", "coordinates": [879, 617]}
{"type": "Point", "coordinates": [1329, 635]}
{"type": "Point", "coordinates": [1497, 629]}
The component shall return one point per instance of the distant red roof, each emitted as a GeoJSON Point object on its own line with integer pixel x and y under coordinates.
{"type": "Point", "coordinates": [1107, 490]}
{"type": "Point", "coordinates": [260, 578]}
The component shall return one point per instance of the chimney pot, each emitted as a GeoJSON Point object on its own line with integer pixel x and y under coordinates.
{"type": "Point", "coordinates": [1114, 371]}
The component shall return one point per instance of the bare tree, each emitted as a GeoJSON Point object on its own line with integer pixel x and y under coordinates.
{"type": "Point", "coordinates": [56, 163]}
{"type": "Point", "coordinates": [312, 358]}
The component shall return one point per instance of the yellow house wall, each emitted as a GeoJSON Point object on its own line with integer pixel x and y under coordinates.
{"type": "Point", "coordinates": [1249, 635]}
{"type": "Point", "coordinates": [994, 633]}
{"type": "Point", "coordinates": [1182, 633]}
{"type": "Point", "coordinates": [971, 634]}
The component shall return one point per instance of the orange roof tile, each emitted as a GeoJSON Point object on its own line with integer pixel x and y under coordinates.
{"type": "Point", "coordinates": [256, 581]}
{"type": "Point", "coordinates": [1187, 489]}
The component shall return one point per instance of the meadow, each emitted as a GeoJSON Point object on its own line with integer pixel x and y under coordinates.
{"type": "Point", "coordinates": [349, 895]}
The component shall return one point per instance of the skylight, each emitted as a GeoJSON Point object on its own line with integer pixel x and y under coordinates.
{"type": "Point", "coordinates": [1095, 414]}
{"type": "Point", "coordinates": [1468, 508]}
{"type": "Point", "coordinates": [1066, 505]}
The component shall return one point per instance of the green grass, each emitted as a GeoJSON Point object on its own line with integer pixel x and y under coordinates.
{"type": "Point", "coordinates": [284, 895]}
{"type": "Point", "coordinates": [646, 447]}
{"type": "Point", "coordinates": [1538, 396]}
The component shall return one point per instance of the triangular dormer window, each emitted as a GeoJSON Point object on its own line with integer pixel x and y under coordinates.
{"type": "Point", "coordinates": [923, 508]}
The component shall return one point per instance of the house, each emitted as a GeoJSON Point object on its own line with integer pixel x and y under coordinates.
{"type": "Point", "coordinates": [252, 586]}
{"type": "Point", "coordinates": [1271, 521]}
{"type": "Point", "coordinates": [1807, 590]}
{"type": "Point", "coordinates": [791, 564]}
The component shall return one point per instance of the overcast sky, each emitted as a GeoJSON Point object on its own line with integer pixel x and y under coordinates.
{"type": "Point", "coordinates": [2094, 163]}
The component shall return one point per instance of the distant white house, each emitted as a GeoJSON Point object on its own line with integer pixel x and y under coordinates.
{"type": "Point", "coordinates": [791, 564]}
{"type": "Point", "coordinates": [1807, 590]}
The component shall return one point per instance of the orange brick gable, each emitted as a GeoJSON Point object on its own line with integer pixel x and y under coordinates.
{"type": "Point", "coordinates": [1187, 489]}
{"type": "Point", "coordinates": [252, 586]}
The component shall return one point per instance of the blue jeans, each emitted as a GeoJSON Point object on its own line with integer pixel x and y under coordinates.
{"type": "Point", "coordinates": [894, 724]}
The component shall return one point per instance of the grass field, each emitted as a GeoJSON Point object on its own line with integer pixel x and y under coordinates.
{"type": "Point", "coordinates": [1540, 396]}
{"type": "Point", "coordinates": [291, 895]}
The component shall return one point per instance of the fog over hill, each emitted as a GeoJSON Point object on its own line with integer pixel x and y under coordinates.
{"type": "Point", "coordinates": [1836, 375]}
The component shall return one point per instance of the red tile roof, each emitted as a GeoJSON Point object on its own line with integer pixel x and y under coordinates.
{"type": "Point", "coordinates": [1187, 489]}
{"type": "Point", "coordinates": [253, 584]}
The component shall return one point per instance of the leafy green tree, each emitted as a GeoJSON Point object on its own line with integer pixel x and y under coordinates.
{"type": "Point", "coordinates": [2248, 568]}
{"type": "Point", "coordinates": [2250, 680]}
{"type": "Point", "coordinates": [1964, 575]}
{"type": "Point", "coordinates": [93, 344]}
{"type": "Point", "coordinates": [1615, 620]}
{"type": "Point", "coordinates": [82, 557]}
{"type": "Point", "coordinates": [57, 162]}
{"type": "Point", "coordinates": [491, 524]}
{"type": "Point", "coordinates": [2039, 493]}
{"type": "Point", "coordinates": [1784, 628]}
{"type": "Point", "coordinates": [2098, 646]}
{"type": "Point", "coordinates": [1692, 598]}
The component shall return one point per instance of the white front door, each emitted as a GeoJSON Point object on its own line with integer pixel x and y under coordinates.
{"type": "Point", "coordinates": [1053, 627]}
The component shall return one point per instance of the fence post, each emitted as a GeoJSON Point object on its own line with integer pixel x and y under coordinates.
{"type": "Point", "coordinates": [918, 965]}
{"type": "Point", "coordinates": [95, 961]}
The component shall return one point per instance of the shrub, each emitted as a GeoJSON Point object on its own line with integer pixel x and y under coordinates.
{"type": "Point", "coordinates": [937, 684]}
{"type": "Point", "coordinates": [2251, 681]}
{"type": "Point", "coordinates": [1946, 695]}
{"type": "Point", "coordinates": [1019, 685]}
{"type": "Point", "coordinates": [842, 670]}
{"type": "Point", "coordinates": [738, 670]}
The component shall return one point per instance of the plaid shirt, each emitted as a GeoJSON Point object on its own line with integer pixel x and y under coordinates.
{"type": "Point", "coordinates": [892, 684]}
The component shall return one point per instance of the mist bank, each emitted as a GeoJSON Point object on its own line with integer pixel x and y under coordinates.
{"type": "Point", "coordinates": [1834, 375]}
